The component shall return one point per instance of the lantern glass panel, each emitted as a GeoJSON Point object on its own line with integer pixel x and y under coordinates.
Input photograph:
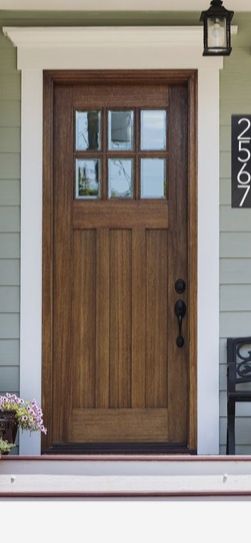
{"type": "Point", "coordinates": [216, 31]}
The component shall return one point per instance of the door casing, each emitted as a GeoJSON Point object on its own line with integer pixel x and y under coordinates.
{"type": "Point", "coordinates": [69, 48]}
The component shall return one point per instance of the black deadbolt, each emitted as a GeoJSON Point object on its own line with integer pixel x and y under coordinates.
{"type": "Point", "coordinates": [180, 286]}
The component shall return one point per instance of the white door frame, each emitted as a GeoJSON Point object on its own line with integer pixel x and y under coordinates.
{"type": "Point", "coordinates": [120, 48]}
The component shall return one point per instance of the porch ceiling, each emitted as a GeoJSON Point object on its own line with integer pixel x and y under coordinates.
{"type": "Point", "coordinates": [118, 5]}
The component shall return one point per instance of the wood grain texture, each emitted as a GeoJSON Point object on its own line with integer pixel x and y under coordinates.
{"type": "Point", "coordinates": [139, 318]}
{"type": "Point", "coordinates": [63, 263]}
{"type": "Point", "coordinates": [83, 323]}
{"type": "Point", "coordinates": [156, 318]}
{"type": "Point", "coordinates": [102, 318]}
{"type": "Point", "coordinates": [117, 214]}
{"type": "Point", "coordinates": [110, 349]}
{"type": "Point", "coordinates": [120, 425]}
{"type": "Point", "coordinates": [178, 358]}
{"type": "Point", "coordinates": [120, 318]}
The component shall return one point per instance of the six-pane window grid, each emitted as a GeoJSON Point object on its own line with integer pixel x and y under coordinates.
{"type": "Point", "coordinates": [109, 150]}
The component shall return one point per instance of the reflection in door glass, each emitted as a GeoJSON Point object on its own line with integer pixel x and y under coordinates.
{"type": "Point", "coordinates": [120, 130]}
{"type": "Point", "coordinates": [87, 130]}
{"type": "Point", "coordinates": [87, 179]}
{"type": "Point", "coordinates": [153, 178]}
{"type": "Point", "coordinates": [153, 130]}
{"type": "Point", "coordinates": [120, 183]}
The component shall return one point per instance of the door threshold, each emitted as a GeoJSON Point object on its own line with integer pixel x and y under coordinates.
{"type": "Point", "coordinates": [119, 448]}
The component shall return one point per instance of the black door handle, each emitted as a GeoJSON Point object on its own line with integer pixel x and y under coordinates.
{"type": "Point", "coordinates": [180, 311]}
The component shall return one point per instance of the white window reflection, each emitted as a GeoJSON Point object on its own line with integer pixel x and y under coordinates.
{"type": "Point", "coordinates": [153, 130]}
{"type": "Point", "coordinates": [153, 178]}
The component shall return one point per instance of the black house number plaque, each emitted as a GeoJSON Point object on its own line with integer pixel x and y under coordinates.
{"type": "Point", "coordinates": [241, 161]}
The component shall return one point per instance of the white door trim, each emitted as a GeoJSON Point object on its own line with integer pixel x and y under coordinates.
{"type": "Point", "coordinates": [120, 48]}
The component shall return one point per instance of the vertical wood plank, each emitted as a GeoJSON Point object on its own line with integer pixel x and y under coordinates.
{"type": "Point", "coordinates": [138, 317]}
{"type": "Point", "coordinates": [156, 319]}
{"type": "Point", "coordinates": [178, 358]}
{"type": "Point", "coordinates": [102, 319]}
{"type": "Point", "coordinates": [62, 270]}
{"type": "Point", "coordinates": [120, 318]}
{"type": "Point", "coordinates": [84, 319]}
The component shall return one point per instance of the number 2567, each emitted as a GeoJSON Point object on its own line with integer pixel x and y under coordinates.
{"type": "Point", "coordinates": [244, 177]}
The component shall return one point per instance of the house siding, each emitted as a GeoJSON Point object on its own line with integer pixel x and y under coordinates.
{"type": "Point", "coordinates": [9, 217]}
{"type": "Point", "coordinates": [235, 237]}
{"type": "Point", "coordinates": [235, 225]}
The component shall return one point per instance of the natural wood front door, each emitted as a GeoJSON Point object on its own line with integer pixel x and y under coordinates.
{"type": "Point", "coordinates": [117, 230]}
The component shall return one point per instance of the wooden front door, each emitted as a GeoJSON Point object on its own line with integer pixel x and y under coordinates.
{"type": "Point", "coordinates": [118, 233]}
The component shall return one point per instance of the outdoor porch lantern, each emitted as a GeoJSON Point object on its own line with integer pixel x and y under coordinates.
{"type": "Point", "coordinates": [217, 29]}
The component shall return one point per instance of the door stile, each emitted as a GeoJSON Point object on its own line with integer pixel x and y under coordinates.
{"type": "Point", "coordinates": [178, 371]}
{"type": "Point", "coordinates": [63, 268]}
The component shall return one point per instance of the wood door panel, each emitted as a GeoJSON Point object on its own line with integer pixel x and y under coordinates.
{"type": "Point", "coordinates": [118, 215]}
{"type": "Point", "coordinates": [102, 319]}
{"type": "Point", "coordinates": [139, 318]}
{"type": "Point", "coordinates": [115, 371]}
{"type": "Point", "coordinates": [119, 325]}
{"type": "Point", "coordinates": [156, 318]}
{"type": "Point", "coordinates": [119, 425]}
{"type": "Point", "coordinates": [148, 96]}
{"type": "Point", "coordinates": [120, 317]}
{"type": "Point", "coordinates": [83, 324]}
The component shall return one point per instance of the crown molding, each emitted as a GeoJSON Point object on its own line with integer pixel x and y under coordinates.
{"type": "Point", "coordinates": [45, 37]}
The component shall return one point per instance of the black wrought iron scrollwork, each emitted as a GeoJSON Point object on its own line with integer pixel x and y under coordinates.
{"type": "Point", "coordinates": [243, 368]}
{"type": "Point", "coordinates": [238, 373]}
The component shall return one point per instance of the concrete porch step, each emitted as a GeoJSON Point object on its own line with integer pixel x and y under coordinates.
{"type": "Point", "coordinates": [125, 476]}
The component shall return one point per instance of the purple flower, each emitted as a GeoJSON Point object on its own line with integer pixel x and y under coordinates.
{"type": "Point", "coordinates": [28, 413]}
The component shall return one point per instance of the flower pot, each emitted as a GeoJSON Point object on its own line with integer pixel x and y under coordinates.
{"type": "Point", "coordinates": [8, 426]}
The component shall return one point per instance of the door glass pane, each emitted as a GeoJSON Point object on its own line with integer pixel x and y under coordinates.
{"type": "Point", "coordinates": [120, 130]}
{"type": "Point", "coordinates": [87, 179]}
{"type": "Point", "coordinates": [153, 130]}
{"type": "Point", "coordinates": [87, 130]}
{"type": "Point", "coordinates": [120, 181]}
{"type": "Point", "coordinates": [153, 178]}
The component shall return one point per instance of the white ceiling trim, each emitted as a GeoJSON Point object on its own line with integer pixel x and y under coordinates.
{"type": "Point", "coordinates": [44, 37]}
